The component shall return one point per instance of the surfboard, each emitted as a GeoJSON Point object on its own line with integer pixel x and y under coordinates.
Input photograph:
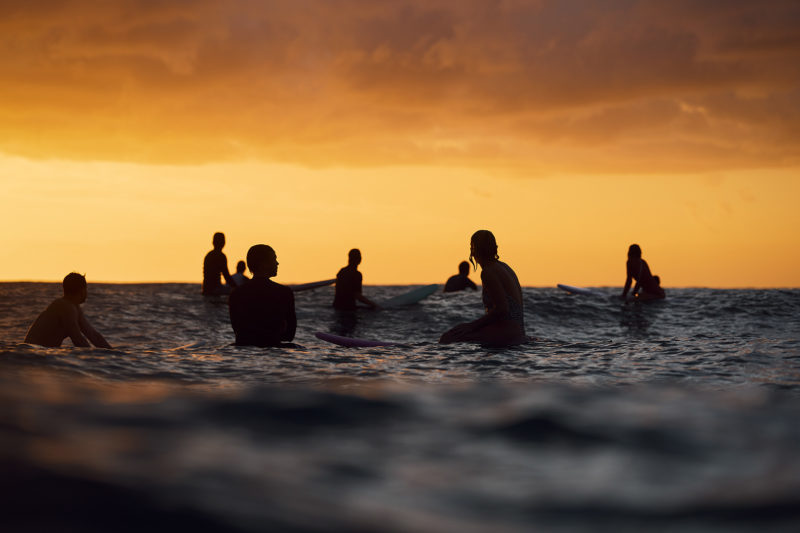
{"type": "Point", "coordinates": [350, 342]}
{"type": "Point", "coordinates": [312, 285]}
{"type": "Point", "coordinates": [578, 290]}
{"type": "Point", "coordinates": [411, 297]}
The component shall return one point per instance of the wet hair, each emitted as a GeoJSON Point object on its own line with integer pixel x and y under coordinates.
{"type": "Point", "coordinates": [73, 283]}
{"type": "Point", "coordinates": [240, 266]}
{"type": "Point", "coordinates": [257, 255]}
{"type": "Point", "coordinates": [463, 267]}
{"type": "Point", "coordinates": [354, 256]}
{"type": "Point", "coordinates": [634, 251]}
{"type": "Point", "coordinates": [219, 239]}
{"type": "Point", "coordinates": [484, 244]}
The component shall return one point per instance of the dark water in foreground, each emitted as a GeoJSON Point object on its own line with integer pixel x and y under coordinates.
{"type": "Point", "coordinates": [677, 415]}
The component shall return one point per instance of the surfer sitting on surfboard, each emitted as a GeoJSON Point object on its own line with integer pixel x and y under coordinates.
{"type": "Point", "coordinates": [239, 278]}
{"type": "Point", "coordinates": [262, 311]}
{"type": "Point", "coordinates": [64, 318]}
{"type": "Point", "coordinates": [460, 281]}
{"type": "Point", "coordinates": [348, 284]}
{"type": "Point", "coordinates": [504, 323]}
{"type": "Point", "coordinates": [648, 287]}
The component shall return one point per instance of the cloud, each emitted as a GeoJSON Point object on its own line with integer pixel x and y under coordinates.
{"type": "Point", "coordinates": [540, 85]}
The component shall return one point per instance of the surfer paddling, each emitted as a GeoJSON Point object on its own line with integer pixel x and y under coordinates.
{"type": "Point", "coordinates": [348, 284]}
{"type": "Point", "coordinates": [648, 287]}
{"type": "Point", "coordinates": [504, 323]}
{"type": "Point", "coordinates": [64, 318]}
{"type": "Point", "coordinates": [262, 311]}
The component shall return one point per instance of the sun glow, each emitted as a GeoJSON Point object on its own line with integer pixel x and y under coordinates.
{"type": "Point", "coordinates": [128, 136]}
{"type": "Point", "coordinates": [133, 222]}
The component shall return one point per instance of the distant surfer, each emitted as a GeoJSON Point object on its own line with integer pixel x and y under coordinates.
{"type": "Point", "coordinates": [64, 318]}
{"type": "Point", "coordinates": [648, 287]}
{"type": "Point", "coordinates": [239, 278]}
{"type": "Point", "coordinates": [460, 281]}
{"type": "Point", "coordinates": [262, 311]}
{"type": "Point", "coordinates": [215, 265]}
{"type": "Point", "coordinates": [348, 284]}
{"type": "Point", "coordinates": [504, 322]}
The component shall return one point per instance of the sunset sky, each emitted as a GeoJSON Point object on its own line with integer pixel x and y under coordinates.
{"type": "Point", "coordinates": [131, 131]}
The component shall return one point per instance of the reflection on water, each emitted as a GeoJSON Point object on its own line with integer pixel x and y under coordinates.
{"type": "Point", "coordinates": [636, 317]}
{"type": "Point", "coordinates": [344, 323]}
{"type": "Point", "coordinates": [676, 415]}
{"type": "Point", "coordinates": [435, 458]}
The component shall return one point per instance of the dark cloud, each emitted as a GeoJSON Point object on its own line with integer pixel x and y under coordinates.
{"type": "Point", "coordinates": [505, 82]}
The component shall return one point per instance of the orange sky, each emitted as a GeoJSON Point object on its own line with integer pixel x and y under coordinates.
{"type": "Point", "coordinates": [130, 131]}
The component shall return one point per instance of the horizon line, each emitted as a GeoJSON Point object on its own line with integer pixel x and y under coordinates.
{"type": "Point", "coordinates": [554, 285]}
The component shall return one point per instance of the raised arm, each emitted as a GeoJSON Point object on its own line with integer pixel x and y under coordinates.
{"type": "Point", "coordinates": [92, 334]}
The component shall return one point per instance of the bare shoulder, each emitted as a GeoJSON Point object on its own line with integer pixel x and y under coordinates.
{"type": "Point", "coordinates": [507, 267]}
{"type": "Point", "coordinates": [493, 274]}
{"type": "Point", "coordinates": [65, 308]}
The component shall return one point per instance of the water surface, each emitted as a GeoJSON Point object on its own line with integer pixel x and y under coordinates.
{"type": "Point", "coordinates": [681, 414]}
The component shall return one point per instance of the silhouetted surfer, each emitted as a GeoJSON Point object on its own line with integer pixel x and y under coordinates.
{"type": "Point", "coordinates": [348, 284]}
{"type": "Point", "coordinates": [460, 281]}
{"type": "Point", "coordinates": [215, 265]}
{"type": "Point", "coordinates": [262, 311]}
{"type": "Point", "coordinates": [239, 278]}
{"type": "Point", "coordinates": [504, 322]}
{"type": "Point", "coordinates": [64, 318]}
{"type": "Point", "coordinates": [648, 287]}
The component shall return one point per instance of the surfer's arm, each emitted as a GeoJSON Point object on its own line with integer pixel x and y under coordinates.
{"type": "Point", "coordinates": [359, 295]}
{"type": "Point", "coordinates": [363, 299]}
{"type": "Point", "coordinates": [461, 331]}
{"type": "Point", "coordinates": [92, 334]}
{"type": "Point", "coordinates": [225, 272]}
{"type": "Point", "coordinates": [627, 287]}
{"type": "Point", "coordinates": [70, 315]}
{"type": "Point", "coordinates": [636, 288]}
{"type": "Point", "coordinates": [493, 286]}
{"type": "Point", "coordinates": [499, 309]}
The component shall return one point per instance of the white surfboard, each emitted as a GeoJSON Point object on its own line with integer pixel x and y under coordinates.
{"type": "Point", "coordinates": [312, 285]}
{"type": "Point", "coordinates": [411, 297]}
{"type": "Point", "coordinates": [578, 290]}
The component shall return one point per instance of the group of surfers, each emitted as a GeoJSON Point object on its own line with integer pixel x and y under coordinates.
{"type": "Point", "coordinates": [262, 312]}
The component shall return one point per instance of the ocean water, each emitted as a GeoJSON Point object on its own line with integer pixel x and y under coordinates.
{"type": "Point", "coordinates": [679, 415]}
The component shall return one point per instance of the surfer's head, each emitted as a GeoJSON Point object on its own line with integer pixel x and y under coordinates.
{"type": "Point", "coordinates": [219, 240]}
{"type": "Point", "coordinates": [634, 252]}
{"type": "Point", "coordinates": [74, 286]}
{"type": "Point", "coordinates": [354, 257]}
{"type": "Point", "coordinates": [483, 246]}
{"type": "Point", "coordinates": [241, 267]}
{"type": "Point", "coordinates": [463, 268]}
{"type": "Point", "coordinates": [262, 261]}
